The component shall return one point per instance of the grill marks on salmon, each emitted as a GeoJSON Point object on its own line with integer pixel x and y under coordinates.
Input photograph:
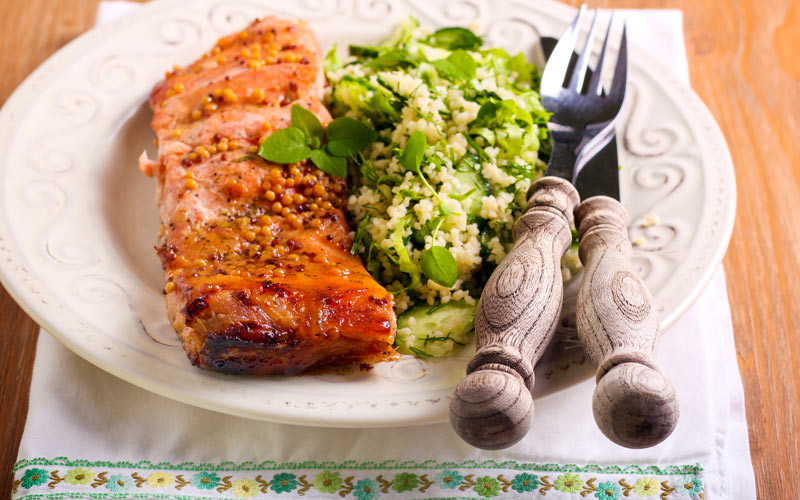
{"type": "Point", "coordinates": [259, 274]}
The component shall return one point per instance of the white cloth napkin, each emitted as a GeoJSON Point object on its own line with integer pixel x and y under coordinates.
{"type": "Point", "coordinates": [91, 435]}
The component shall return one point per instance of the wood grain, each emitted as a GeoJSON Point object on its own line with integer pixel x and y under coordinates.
{"type": "Point", "coordinates": [634, 404]}
{"type": "Point", "coordinates": [743, 64]}
{"type": "Point", "coordinates": [492, 406]}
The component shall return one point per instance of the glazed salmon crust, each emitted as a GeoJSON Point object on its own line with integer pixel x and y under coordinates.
{"type": "Point", "coordinates": [259, 274]}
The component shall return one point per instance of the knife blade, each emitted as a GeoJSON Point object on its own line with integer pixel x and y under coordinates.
{"type": "Point", "coordinates": [597, 166]}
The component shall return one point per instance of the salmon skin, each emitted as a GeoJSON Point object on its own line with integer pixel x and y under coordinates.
{"type": "Point", "coordinates": [259, 274]}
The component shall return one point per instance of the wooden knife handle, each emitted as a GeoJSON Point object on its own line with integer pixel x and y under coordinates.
{"type": "Point", "coordinates": [492, 406]}
{"type": "Point", "coordinates": [634, 405]}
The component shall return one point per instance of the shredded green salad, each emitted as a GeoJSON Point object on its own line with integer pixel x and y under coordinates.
{"type": "Point", "coordinates": [460, 136]}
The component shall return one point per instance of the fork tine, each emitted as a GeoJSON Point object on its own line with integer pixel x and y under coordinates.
{"type": "Point", "coordinates": [579, 73]}
{"type": "Point", "coordinates": [555, 71]}
{"type": "Point", "coordinates": [621, 69]}
{"type": "Point", "coordinates": [596, 80]}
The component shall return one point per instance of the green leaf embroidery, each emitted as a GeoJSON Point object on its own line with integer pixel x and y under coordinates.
{"type": "Point", "coordinates": [637, 469]}
{"type": "Point", "coordinates": [439, 265]}
{"type": "Point", "coordinates": [308, 122]}
{"type": "Point", "coordinates": [288, 145]}
{"type": "Point", "coordinates": [329, 164]}
{"type": "Point", "coordinates": [347, 136]}
{"type": "Point", "coordinates": [507, 479]}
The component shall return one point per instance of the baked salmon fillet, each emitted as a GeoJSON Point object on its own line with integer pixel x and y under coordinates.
{"type": "Point", "coordinates": [259, 274]}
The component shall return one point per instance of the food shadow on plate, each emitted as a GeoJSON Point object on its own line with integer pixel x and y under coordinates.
{"type": "Point", "coordinates": [132, 222]}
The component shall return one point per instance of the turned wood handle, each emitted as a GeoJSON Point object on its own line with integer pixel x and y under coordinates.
{"type": "Point", "coordinates": [634, 405]}
{"type": "Point", "coordinates": [492, 406]}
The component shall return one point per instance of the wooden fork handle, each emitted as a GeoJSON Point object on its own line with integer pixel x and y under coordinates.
{"type": "Point", "coordinates": [492, 406]}
{"type": "Point", "coordinates": [634, 405]}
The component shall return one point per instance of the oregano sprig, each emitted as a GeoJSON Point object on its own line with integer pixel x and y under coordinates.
{"type": "Point", "coordinates": [328, 149]}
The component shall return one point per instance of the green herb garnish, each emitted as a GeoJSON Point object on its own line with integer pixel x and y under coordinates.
{"type": "Point", "coordinates": [363, 51]}
{"type": "Point", "coordinates": [308, 122]}
{"type": "Point", "coordinates": [455, 38]}
{"type": "Point", "coordinates": [334, 165]}
{"type": "Point", "coordinates": [331, 62]}
{"type": "Point", "coordinates": [478, 149]}
{"type": "Point", "coordinates": [244, 158]}
{"type": "Point", "coordinates": [403, 258]}
{"type": "Point", "coordinates": [419, 352]}
{"type": "Point", "coordinates": [434, 308]}
{"type": "Point", "coordinates": [458, 66]}
{"type": "Point", "coordinates": [390, 59]}
{"type": "Point", "coordinates": [288, 145]}
{"type": "Point", "coordinates": [439, 265]}
{"type": "Point", "coordinates": [412, 155]}
{"type": "Point", "coordinates": [345, 137]}
{"type": "Point", "coordinates": [361, 237]}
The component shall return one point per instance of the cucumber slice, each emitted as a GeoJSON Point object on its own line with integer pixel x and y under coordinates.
{"type": "Point", "coordinates": [433, 331]}
{"type": "Point", "coordinates": [470, 186]}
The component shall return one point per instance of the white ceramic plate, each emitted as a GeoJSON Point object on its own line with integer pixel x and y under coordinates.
{"type": "Point", "coordinates": [78, 221]}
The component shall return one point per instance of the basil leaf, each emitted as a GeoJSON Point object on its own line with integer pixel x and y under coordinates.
{"type": "Point", "coordinates": [392, 59]}
{"type": "Point", "coordinates": [288, 145]}
{"type": "Point", "coordinates": [404, 259]}
{"type": "Point", "coordinates": [455, 38]}
{"type": "Point", "coordinates": [524, 70]}
{"type": "Point", "coordinates": [458, 66]}
{"type": "Point", "coordinates": [332, 62]}
{"type": "Point", "coordinates": [329, 164]}
{"type": "Point", "coordinates": [412, 155]}
{"type": "Point", "coordinates": [445, 69]}
{"type": "Point", "coordinates": [363, 51]}
{"type": "Point", "coordinates": [347, 136]}
{"type": "Point", "coordinates": [496, 114]}
{"type": "Point", "coordinates": [464, 62]}
{"type": "Point", "coordinates": [308, 122]}
{"type": "Point", "coordinates": [439, 266]}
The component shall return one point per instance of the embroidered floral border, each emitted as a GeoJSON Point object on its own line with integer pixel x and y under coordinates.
{"type": "Point", "coordinates": [59, 478]}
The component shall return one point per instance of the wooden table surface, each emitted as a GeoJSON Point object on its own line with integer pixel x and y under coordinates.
{"type": "Point", "coordinates": [743, 64]}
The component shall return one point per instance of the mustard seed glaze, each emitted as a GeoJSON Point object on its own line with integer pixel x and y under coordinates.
{"type": "Point", "coordinates": [259, 275]}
